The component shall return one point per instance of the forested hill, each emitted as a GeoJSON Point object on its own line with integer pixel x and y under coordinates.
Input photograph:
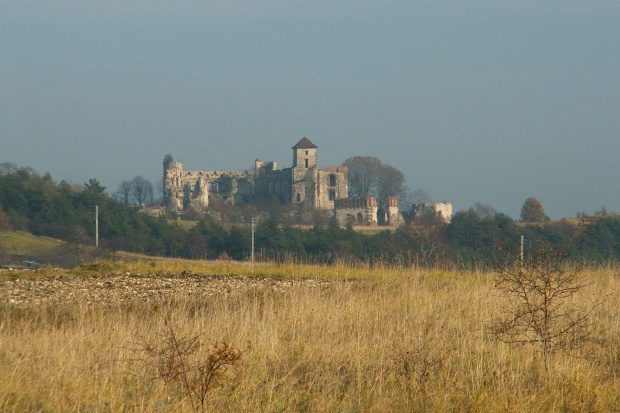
{"type": "Point", "coordinates": [37, 204]}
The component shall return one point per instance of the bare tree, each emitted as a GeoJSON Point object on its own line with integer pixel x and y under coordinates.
{"type": "Point", "coordinates": [484, 210]}
{"type": "Point", "coordinates": [8, 168]}
{"type": "Point", "coordinates": [363, 175]}
{"type": "Point", "coordinates": [540, 288]}
{"type": "Point", "coordinates": [420, 196]}
{"type": "Point", "coordinates": [390, 182]}
{"type": "Point", "coordinates": [368, 176]}
{"type": "Point", "coordinates": [124, 192]}
{"type": "Point", "coordinates": [427, 237]}
{"type": "Point", "coordinates": [141, 190]}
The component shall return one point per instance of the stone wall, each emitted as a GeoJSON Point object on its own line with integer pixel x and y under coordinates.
{"type": "Point", "coordinates": [196, 189]}
{"type": "Point", "coordinates": [332, 184]}
{"type": "Point", "coordinates": [304, 183]}
{"type": "Point", "coordinates": [442, 210]}
{"type": "Point", "coordinates": [358, 211]}
{"type": "Point", "coordinates": [185, 189]}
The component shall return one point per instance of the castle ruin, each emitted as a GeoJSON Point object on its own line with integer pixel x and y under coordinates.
{"type": "Point", "coordinates": [303, 183]}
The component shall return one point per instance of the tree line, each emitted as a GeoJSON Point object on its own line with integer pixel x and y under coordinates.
{"type": "Point", "coordinates": [37, 204]}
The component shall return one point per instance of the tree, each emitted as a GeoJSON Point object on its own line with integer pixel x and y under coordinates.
{"type": "Point", "coordinates": [484, 210]}
{"type": "Point", "coordinates": [162, 186]}
{"type": "Point", "coordinates": [141, 190]}
{"type": "Point", "coordinates": [533, 211]}
{"type": "Point", "coordinates": [8, 168]}
{"type": "Point", "coordinates": [167, 161]}
{"type": "Point", "coordinates": [390, 182]}
{"type": "Point", "coordinates": [425, 239]}
{"type": "Point", "coordinates": [369, 177]}
{"type": "Point", "coordinates": [540, 287]}
{"type": "Point", "coordinates": [124, 193]}
{"type": "Point", "coordinates": [420, 196]}
{"type": "Point", "coordinates": [94, 187]}
{"type": "Point", "coordinates": [363, 175]}
{"type": "Point", "coordinates": [92, 194]}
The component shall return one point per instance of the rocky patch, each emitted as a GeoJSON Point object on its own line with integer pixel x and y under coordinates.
{"type": "Point", "coordinates": [114, 288]}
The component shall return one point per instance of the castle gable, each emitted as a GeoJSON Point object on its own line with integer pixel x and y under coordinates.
{"type": "Point", "coordinates": [304, 143]}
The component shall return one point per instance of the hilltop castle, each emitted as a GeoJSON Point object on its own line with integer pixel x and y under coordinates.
{"type": "Point", "coordinates": [303, 183]}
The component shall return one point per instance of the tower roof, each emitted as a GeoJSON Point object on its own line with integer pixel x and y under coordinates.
{"type": "Point", "coordinates": [304, 143]}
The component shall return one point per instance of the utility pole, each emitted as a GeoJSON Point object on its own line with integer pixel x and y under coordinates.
{"type": "Point", "coordinates": [96, 226]}
{"type": "Point", "coordinates": [522, 250]}
{"type": "Point", "coordinates": [252, 243]}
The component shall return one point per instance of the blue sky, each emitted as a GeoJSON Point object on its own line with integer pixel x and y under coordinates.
{"type": "Point", "coordinates": [479, 101]}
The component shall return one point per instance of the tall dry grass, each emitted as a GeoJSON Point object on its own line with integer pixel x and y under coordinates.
{"type": "Point", "coordinates": [408, 340]}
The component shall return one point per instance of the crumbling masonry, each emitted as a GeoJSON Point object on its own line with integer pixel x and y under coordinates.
{"type": "Point", "coordinates": [303, 183]}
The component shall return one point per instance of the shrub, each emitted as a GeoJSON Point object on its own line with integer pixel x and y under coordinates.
{"type": "Point", "coordinates": [540, 287]}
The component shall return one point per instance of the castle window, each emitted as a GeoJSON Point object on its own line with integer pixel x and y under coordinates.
{"type": "Point", "coordinates": [332, 180]}
{"type": "Point", "coordinates": [306, 162]}
{"type": "Point", "coordinates": [331, 194]}
{"type": "Point", "coordinates": [298, 197]}
{"type": "Point", "coordinates": [306, 152]}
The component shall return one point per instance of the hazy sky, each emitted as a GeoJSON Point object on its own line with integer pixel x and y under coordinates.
{"type": "Point", "coordinates": [475, 101]}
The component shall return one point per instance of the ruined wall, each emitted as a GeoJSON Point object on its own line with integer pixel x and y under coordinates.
{"type": "Point", "coordinates": [276, 183]}
{"type": "Point", "coordinates": [196, 189]}
{"type": "Point", "coordinates": [185, 189]}
{"type": "Point", "coordinates": [358, 211]}
{"type": "Point", "coordinates": [265, 166]}
{"type": "Point", "coordinates": [444, 210]}
{"type": "Point", "coordinates": [302, 185]}
{"type": "Point", "coordinates": [332, 184]}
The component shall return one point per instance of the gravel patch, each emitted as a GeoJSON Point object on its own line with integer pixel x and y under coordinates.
{"type": "Point", "coordinates": [113, 288]}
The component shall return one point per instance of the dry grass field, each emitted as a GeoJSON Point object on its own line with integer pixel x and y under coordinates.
{"type": "Point", "coordinates": [101, 338]}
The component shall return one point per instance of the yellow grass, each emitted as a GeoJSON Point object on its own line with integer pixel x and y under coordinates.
{"type": "Point", "coordinates": [142, 265]}
{"type": "Point", "coordinates": [353, 346]}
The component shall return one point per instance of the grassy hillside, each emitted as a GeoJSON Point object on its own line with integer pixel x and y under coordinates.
{"type": "Point", "coordinates": [21, 243]}
{"type": "Point", "coordinates": [17, 246]}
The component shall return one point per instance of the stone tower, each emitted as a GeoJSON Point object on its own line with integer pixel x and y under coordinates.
{"type": "Point", "coordinates": [304, 170]}
{"type": "Point", "coordinates": [304, 154]}
{"type": "Point", "coordinates": [394, 216]}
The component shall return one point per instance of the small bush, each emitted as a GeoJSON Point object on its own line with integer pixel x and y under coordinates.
{"type": "Point", "coordinates": [540, 288]}
{"type": "Point", "coordinates": [186, 364]}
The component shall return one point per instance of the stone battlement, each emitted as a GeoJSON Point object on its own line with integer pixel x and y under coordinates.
{"type": "Point", "coordinates": [355, 203]}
